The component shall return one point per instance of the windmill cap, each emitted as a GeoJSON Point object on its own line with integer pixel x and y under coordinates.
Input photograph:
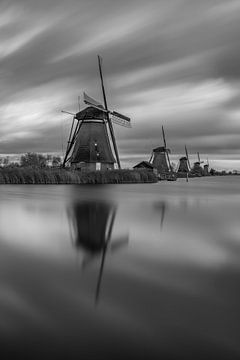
{"type": "Point", "coordinates": [159, 149]}
{"type": "Point", "coordinates": [91, 113]}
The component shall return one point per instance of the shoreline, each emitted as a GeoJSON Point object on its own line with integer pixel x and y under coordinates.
{"type": "Point", "coordinates": [60, 176]}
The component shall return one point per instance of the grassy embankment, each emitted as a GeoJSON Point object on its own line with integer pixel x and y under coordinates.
{"type": "Point", "coordinates": [21, 175]}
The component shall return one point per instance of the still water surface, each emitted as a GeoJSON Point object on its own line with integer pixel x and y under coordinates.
{"type": "Point", "coordinates": [146, 270]}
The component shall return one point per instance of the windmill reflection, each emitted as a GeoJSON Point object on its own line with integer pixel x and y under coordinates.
{"type": "Point", "coordinates": [93, 223]}
{"type": "Point", "coordinates": [161, 208]}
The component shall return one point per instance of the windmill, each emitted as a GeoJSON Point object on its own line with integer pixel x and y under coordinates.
{"type": "Point", "coordinates": [92, 143]}
{"type": "Point", "coordinates": [206, 169]}
{"type": "Point", "coordinates": [184, 165]}
{"type": "Point", "coordinates": [197, 169]}
{"type": "Point", "coordinates": [160, 159]}
{"type": "Point", "coordinates": [199, 160]}
{"type": "Point", "coordinates": [91, 222]}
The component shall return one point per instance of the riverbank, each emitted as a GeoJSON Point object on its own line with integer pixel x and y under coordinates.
{"type": "Point", "coordinates": [18, 175]}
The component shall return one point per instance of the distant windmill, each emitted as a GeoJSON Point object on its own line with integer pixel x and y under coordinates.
{"type": "Point", "coordinates": [206, 169]}
{"type": "Point", "coordinates": [184, 166]}
{"type": "Point", "coordinates": [188, 162]}
{"type": "Point", "coordinates": [197, 170]}
{"type": "Point", "coordinates": [89, 142]}
{"type": "Point", "coordinates": [199, 160]}
{"type": "Point", "coordinates": [160, 158]}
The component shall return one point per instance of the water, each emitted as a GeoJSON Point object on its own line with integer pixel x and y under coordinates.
{"type": "Point", "coordinates": [147, 271]}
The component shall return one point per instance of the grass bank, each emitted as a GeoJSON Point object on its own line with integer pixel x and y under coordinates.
{"type": "Point", "coordinates": [21, 175]}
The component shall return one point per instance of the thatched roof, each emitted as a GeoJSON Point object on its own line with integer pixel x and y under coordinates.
{"type": "Point", "coordinates": [144, 164]}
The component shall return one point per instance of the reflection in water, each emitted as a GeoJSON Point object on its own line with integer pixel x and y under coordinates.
{"type": "Point", "coordinates": [93, 223]}
{"type": "Point", "coordinates": [173, 294]}
{"type": "Point", "coordinates": [161, 207]}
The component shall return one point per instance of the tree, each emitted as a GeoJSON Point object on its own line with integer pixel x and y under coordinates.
{"type": "Point", "coordinates": [212, 172]}
{"type": "Point", "coordinates": [56, 161]}
{"type": "Point", "coordinates": [6, 161]}
{"type": "Point", "coordinates": [33, 160]}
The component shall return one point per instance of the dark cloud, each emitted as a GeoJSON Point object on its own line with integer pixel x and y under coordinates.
{"type": "Point", "coordinates": [167, 62]}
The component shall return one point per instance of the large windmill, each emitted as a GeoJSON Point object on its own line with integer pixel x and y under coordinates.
{"type": "Point", "coordinates": [92, 143]}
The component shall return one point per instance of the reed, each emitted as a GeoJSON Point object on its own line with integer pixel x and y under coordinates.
{"type": "Point", "coordinates": [29, 175]}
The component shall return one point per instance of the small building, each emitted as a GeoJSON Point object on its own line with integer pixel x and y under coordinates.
{"type": "Point", "coordinates": [145, 165]}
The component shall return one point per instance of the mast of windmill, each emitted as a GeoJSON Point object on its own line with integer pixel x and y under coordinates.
{"type": "Point", "coordinates": [198, 157]}
{"type": "Point", "coordinates": [71, 137]}
{"type": "Point", "coordinates": [73, 133]}
{"type": "Point", "coordinates": [106, 108]}
{"type": "Point", "coordinates": [167, 151]}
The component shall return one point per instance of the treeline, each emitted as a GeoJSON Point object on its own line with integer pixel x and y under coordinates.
{"type": "Point", "coordinates": [33, 160]}
{"type": "Point", "coordinates": [31, 175]}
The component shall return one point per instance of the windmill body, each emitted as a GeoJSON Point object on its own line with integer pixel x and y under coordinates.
{"type": "Point", "coordinates": [92, 145]}
{"type": "Point", "coordinates": [183, 166]}
{"type": "Point", "coordinates": [197, 170]}
{"type": "Point", "coordinates": [206, 169]}
{"type": "Point", "coordinates": [160, 161]}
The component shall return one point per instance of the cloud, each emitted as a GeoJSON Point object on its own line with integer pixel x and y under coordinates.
{"type": "Point", "coordinates": [172, 63]}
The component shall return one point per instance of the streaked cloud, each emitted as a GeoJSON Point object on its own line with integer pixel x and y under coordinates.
{"type": "Point", "coordinates": [174, 63]}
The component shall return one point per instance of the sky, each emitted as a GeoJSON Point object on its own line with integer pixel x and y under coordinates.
{"type": "Point", "coordinates": [174, 63]}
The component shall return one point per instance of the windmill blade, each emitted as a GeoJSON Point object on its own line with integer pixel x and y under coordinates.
{"type": "Point", "coordinates": [108, 117]}
{"type": "Point", "coordinates": [151, 157]}
{"type": "Point", "coordinates": [186, 152]}
{"type": "Point", "coordinates": [67, 112]}
{"type": "Point", "coordinates": [92, 102]}
{"type": "Point", "coordinates": [121, 116]}
{"type": "Point", "coordinates": [198, 157]}
{"type": "Point", "coordinates": [167, 150]}
{"type": "Point", "coordinates": [120, 119]}
{"type": "Point", "coordinates": [69, 141]}
{"type": "Point", "coordinates": [164, 138]}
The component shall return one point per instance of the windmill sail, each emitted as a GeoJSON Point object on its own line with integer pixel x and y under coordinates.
{"type": "Point", "coordinates": [92, 102]}
{"type": "Point", "coordinates": [120, 119]}
{"type": "Point", "coordinates": [116, 117]}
